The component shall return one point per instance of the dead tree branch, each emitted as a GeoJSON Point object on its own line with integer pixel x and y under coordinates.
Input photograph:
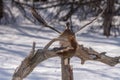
{"type": "Point", "coordinates": [34, 58]}
{"type": "Point", "coordinates": [31, 61]}
{"type": "Point", "coordinates": [72, 49]}
{"type": "Point", "coordinates": [89, 54]}
{"type": "Point", "coordinates": [92, 20]}
{"type": "Point", "coordinates": [41, 20]}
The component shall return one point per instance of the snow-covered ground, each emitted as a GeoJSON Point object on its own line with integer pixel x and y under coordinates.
{"type": "Point", "coordinates": [16, 43]}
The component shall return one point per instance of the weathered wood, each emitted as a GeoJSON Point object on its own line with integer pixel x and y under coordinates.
{"type": "Point", "coordinates": [111, 61]}
{"type": "Point", "coordinates": [29, 63]}
{"type": "Point", "coordinates": [89, 54]}
{"type": "Point", "coordinates": [64, 40]}
{"type": "Point", "coordinates": [32, 60]}
{"type": "Point", "coordinates": [67, 72]}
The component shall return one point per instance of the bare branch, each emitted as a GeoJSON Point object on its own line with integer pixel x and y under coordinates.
{"type": "Point", "coordinates": [41, 20]}
{"type": "Point", "coordinates": [22, 10]}
{"type": "Point", "coordinates": [92, 20]}
{"type": "Point", "coordinates": [54, 4]}
{"type": "Point", "coordinates": [90, 54]}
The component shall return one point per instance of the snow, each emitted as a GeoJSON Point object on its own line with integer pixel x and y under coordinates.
{"type": "Point", "coordinates": [16, 42]}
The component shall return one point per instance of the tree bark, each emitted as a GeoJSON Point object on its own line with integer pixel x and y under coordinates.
{"type": "Point", "coordinates": [30, 62]}
{"type": "Point", "coordinates": [108, 16]}
{"type": "Point", "coordinates": [1, 8]}
{"type": "Point", "coordinates": [67, 72]}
